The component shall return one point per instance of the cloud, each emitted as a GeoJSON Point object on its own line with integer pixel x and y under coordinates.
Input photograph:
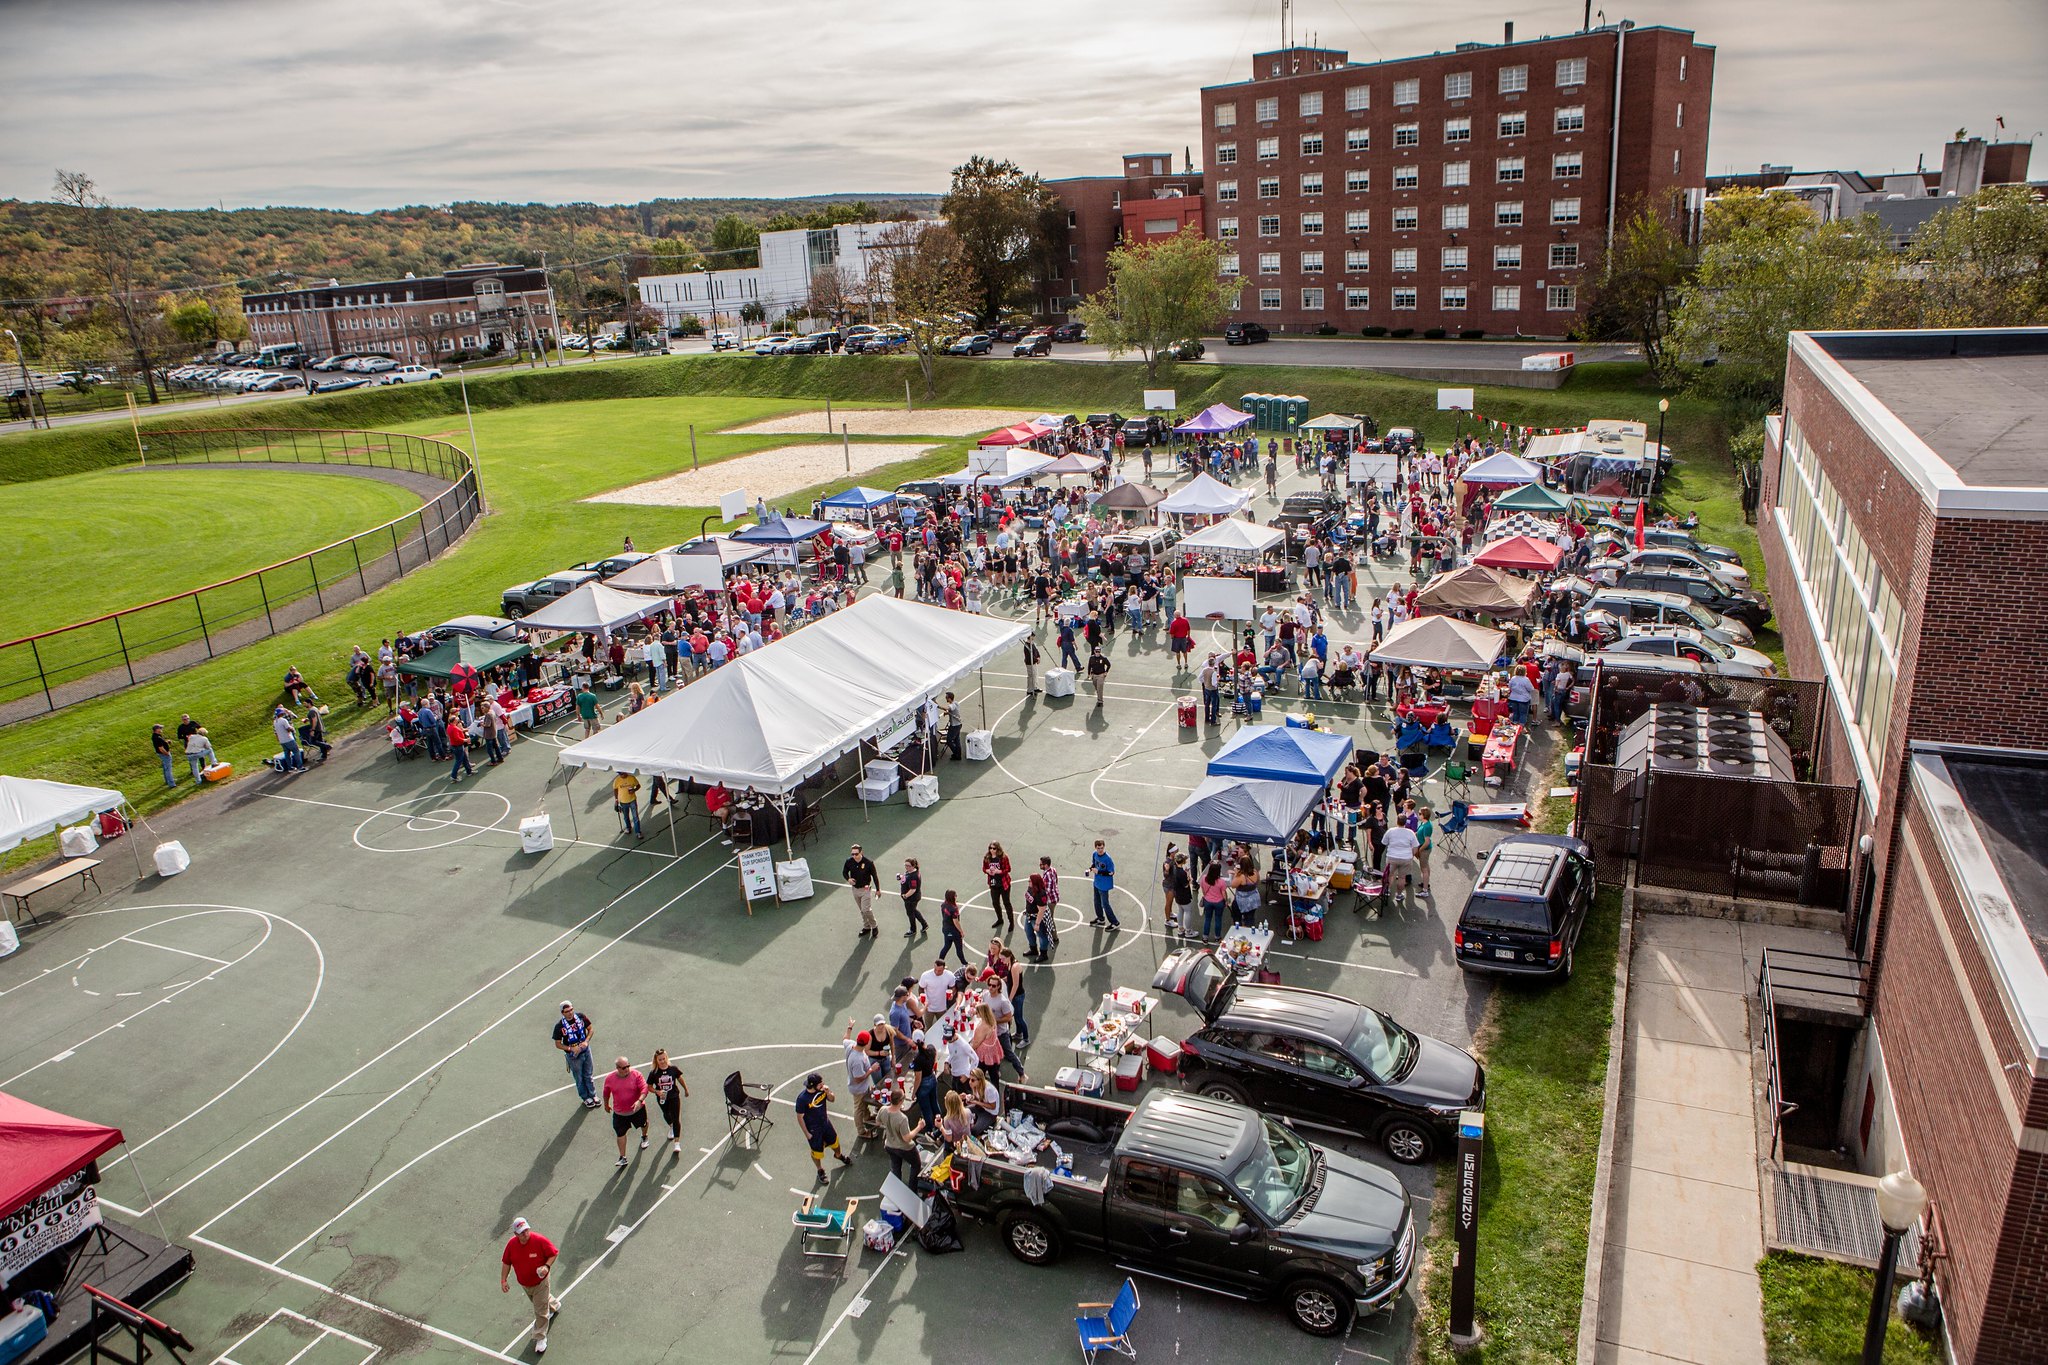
{"type": "Point", "coordinates": [367, 103]}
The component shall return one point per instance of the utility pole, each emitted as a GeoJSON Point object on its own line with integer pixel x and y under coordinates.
{"type": "Point", "coordinates": [554, 321]}
{"type": "Point", "coordinates": [28, 385]}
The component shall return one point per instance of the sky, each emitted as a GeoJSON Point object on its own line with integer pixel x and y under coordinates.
{"type": "Point", "coordinates": [360, 104]}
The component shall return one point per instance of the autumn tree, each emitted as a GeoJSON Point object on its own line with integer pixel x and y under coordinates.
{"type": "Point", "coordinates": [1640, 284]}
{"type": "Point", "coordinates": [1983, 262]}
{"type": "Point", "coordinates": [827, 299]}
{"type": "Point", "coordinates": [136, 313]}
{"type": "Point", "coordinates": [1009, 227]}
{"type": "Point", "coordinates": [735, 244]}
{"type": "Point", "coordinates": [929, 279]}
{"type": "Point", "coordinates": [1160, 294]}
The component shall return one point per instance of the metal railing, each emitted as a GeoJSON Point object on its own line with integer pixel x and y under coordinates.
{"type": "Point", "coordinates": [55, 668]}
{"type": "Point", "coordinates": [1833, 979]}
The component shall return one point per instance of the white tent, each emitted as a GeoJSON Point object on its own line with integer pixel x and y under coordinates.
{"type": "Point", "coordinates": [995, 466]}
{"type": "Point", "coordinates": [1235, 537]}
{"type": "Point", "coordinates": [1440, 642]}
{"type": "Point", "coordinates": [31, 807]}
{"type": "Point", "coordinates": [1204, 496]}
{"type": "Point", "coordinates": [772, 718]}
{"type": "Point", "coordinates": [672, 573]}
{"type": "Point", "coordinates": [730, 552]}
{"type": "Point", "coordinates": [1069, 464]}
{"type": "Point", "coordinates": [1331, 421]}
{"type": "Point", "coordinates": [594, 607]}
{"type": "Point", "coordinates": [1503, 467]}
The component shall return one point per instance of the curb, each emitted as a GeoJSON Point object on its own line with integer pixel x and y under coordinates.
{"type": "Point", "coordinates": [1603, 1170]}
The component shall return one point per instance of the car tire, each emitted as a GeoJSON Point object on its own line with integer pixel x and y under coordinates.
{"type": "Point", "coordinates": [1221, 1090]}
{"type": "Point", "coordinates": [1406, 1140]}
{"type": "Point", "coordinates": [513, 611]}
{"type": "Point", "coordinates": [1031, 1237]}
{"type": "Point", "coordinates": [1319, 1307]}
{"type": "Point", "coordinates": [1564, 969]}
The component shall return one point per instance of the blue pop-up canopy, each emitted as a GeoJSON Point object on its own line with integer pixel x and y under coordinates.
{"type": "Point", "coordinates": [1283, 753]}
{"type": "Point", "coordinates": [781, 531]}
{"type": "Point", "coordinates": [861, 497]}
{"type": "Point", "coordinates": [1246, 809]}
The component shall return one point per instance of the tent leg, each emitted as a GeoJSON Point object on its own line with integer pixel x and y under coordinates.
{"type": "Point", "coordinates": [981, 686]}
{"type": "Point", "coordinates": [673, 847]}
{"type": "Point", "coordinates": [134, 841]}
{"type": "Point", "coordinates": [788, 852]}
{"type": "Point", "coordinates": [567, 795]}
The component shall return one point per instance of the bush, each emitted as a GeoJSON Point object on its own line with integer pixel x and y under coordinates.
{"type": "Point", "coordinates": [1474, 335]}
{"type": "Point", "coordinates": [1433, 334]}
{"type": "Point", "coordinates": [688, 325]}
{"type": "Point", "coordinates": [1328, 329]}
{"type": "Point", "coordinates": [1402, 332]}
{"type": "Point", "coordinates": [1375, 331]}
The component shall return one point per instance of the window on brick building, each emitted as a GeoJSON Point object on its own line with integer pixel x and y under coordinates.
{"type": "Point", "coordinates": [1310, 103]}
{"type": "Point", "coordinates": [1571, 71]}
{"type": "Point", "coordinates": [1312, 183]}
{"type": "Point", "coordinates": [1457, 216]}
{"type": "Point", "coordinates": [1358, 220]}
{"type": "Point", "coordinates": [1457, 130]}
{"type": "Point", "coordinates": [1228, 265]}
{"type": "Point", "coordinates": [1226, 116]}
{"type": "Point", "coordinates": [1563, 255]}
{"type": "Point", "coordinates": [1311, 144]}
{"type": "Point", "coordinates": [1456, 257]}
{"type": "Point", "coordinates": [1357, 182]}
{"type": "Point", "coordinates": [1507, 298]}
{"type": "Point", "coordinates": [1681, 68]}
{"type": "Point", "coordinates": [1408, 92]}
{"type": "Point", "coordinates": [1508, 213]}
{"type": "Point", "coordinates": [1452, 298]}
{"type": "Point", "coordinates": [1226, 191]}
{"type": "Point", "coordinates": [1226, 153]}
{"type": "Point", "coordinates": [1674, 161]}
{"type": "Point", "coordinates": [1269, 262]}
{"type": "Point", "coordinates": [1507, 170]}
{"type": "Point", "coordinates": [1312, 300]}
{"type": "Point", "coordinates": [1311, 224]}
{"type": "Point", "coordinates": [1311, 262]}
{"type": "Point", "coordinates": [1358, 139]}
{"type": "Point", "coordinates": [1514, 79]}
{"type": "Point", "coordinates": [1357, 260]}
{"type": "Point", "coordinates": [1267, 109]}
{"type": "Point", "coordinates": [1407, 177]}
{"type": "Point", "coordinates": [1567, 165]}
{"type": "Point", "coordinates": [1357, 299]}
{"type": "Point", "coordinates": [1458, 85]}
{"type": "Point", "coordinates": [1457, 173]}
{"type": "Point", "coordinates": [1564, 210]}
{"type": "Point", "coordinates": [1269, 225]}
{"type": "Point", "coordinates": [1561, 298]}
{"type": "Point", "coordinates": [1407, 219]}
{"type": "Point", "coordinates": [1226, 228]}
{"type": "Point", "coordinates": [1269, 300]}
{"type": "Point", "coordinates": [1269, 187]}
{"type": "Point", "coordinates": [1357, 99]}
{"type": "Point", "coordinates": [1570, 119]}
{"type": "Point", "coordinates": [1405, 257]}
{"type": "Point", "coordinates": [1407, 135]}
{"type": "Point", "coordinates": [1269, 149]}
{"type": "Point", "coordinates": [1404, 299]}
{"type": "Point", "coordinates": [1514, 125]}
{"type": "Point", "coordinates": [1154, 227]}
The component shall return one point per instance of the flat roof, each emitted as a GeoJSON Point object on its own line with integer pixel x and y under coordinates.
{"type": "Point", "coordinates": [2008, 799]}
{"type": "Point", "coordinates": [1978, 400]}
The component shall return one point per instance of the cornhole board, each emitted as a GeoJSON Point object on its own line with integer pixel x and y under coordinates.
{"type": "Point", "coordinates": [1498, 812]}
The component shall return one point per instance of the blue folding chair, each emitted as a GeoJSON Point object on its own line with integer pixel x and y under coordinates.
{"type": "Point", "coordinates": [1452, 830]}
{"type": "Point", "coordinates": [1110, 1331]}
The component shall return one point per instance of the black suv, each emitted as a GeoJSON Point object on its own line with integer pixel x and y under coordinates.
{"type": "Point", "coordinates": [1320, 1059]}
{"type": "Point", "coordinates": [1527, 907]}
{"type": "Point", "coordinates": [1070, 331]}
{"type": "Point", "coordinates": [1244, 333]}
{"type": "Point", "coordinates": [1722, 598]}
{"type": "Point", "coordinates": [1144, 431]}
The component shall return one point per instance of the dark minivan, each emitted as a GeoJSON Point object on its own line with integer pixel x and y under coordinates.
{"type": "Point", "coordinates": [1527, 907]}
{"type": "Point", "coordinates": [1244, 333]}
{"type": "Point", "coordinates": [1320, 1059]}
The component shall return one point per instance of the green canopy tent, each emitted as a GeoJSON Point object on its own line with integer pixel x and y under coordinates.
{"type": "Point", "coordinates": [443, 659]}
{"type": "Point", "coordinates": [1533, 497]}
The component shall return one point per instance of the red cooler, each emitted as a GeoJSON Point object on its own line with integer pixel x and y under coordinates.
{"type": "Point", "coordinates": [1164, 1054]}
{"type": "Point", "coordinates": [1130, 1071]}
{"type": "Point", "coordinates": [1188, 713]}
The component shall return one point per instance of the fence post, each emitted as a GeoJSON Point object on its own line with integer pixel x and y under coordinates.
{"type": "Point", "coordinates": [202, 625]}
{"type": "Point", "coordinates": [121, 638]}
{"type": "Point", "coordinates": [314, 567]}
{"type": "Point", "coordinates": [266, 603]}
{"type": "Point", "coordinates": [41, 676]}
{"type": "Point", "coordinates": [355, 548]}
{"type": "Point", "coordinates": [396, 557]}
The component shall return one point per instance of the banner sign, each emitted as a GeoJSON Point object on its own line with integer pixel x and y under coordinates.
{"type": "Point", "coordinates": [57, 1219]}
{"type": "Point", "coordinates": [757, 873]}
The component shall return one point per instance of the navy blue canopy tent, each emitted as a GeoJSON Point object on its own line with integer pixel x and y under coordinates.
{"type": "Point", "coordinates": [1283, 753]}
{"type": "Point", "coordinates": [861, 498]}
{"type": "Point", "coordinates": [1246, 809]}
{"type": "Point", "coordinates": [781, 531]}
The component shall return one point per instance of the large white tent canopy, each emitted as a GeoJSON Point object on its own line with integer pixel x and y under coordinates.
{"type": "Point", "coordinates": [1235, 537]}
{"type": "Point", "coordinates": [996, 466]}
{"type": "Point", "coordinates": [772, 718]}
{"type": "Point", "coordinates": [1204, 496]}
{"type": "Point", "coordinates": [1440, 642]}
{"type": "Point", "coordinates": [1503, 467]}
{"type": "Point", "coordinates": [671, 573]}
{"type": "Point", "coordinates": [594, 607]}
{"type": "Point", "coordinates": [31, 807]}
{"type": "Point", "coordinates": [1331, 421]}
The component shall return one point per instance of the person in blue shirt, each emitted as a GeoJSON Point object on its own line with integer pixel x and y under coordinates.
{"type": "Point", "coordinates": [1104, 873]}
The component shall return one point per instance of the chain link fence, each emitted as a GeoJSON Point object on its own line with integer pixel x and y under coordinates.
{"type": "Point", "coordinates": [41, 673]}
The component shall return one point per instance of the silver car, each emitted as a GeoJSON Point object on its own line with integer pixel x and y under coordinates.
{"type": "Point", "coordinates": [1647, 607]}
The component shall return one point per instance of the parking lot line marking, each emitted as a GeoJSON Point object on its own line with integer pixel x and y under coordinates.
{"type": "Point", "coordinates": [166, 948]}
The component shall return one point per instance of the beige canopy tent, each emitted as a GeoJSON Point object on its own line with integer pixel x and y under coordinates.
{"type": "Point", "coordinates": [1477, 588]}
{"type": "Point", "coordinates": [1440, 642]}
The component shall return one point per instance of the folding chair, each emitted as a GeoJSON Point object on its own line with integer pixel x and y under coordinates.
{"type": "Point", "coordinates": [1109, 1331]}
{"type": "Point", "coordinates": [746, 1116]}
{"type": "Point", "coordinates": [825, 1232]}
{"type": "Point", "coordinates": [1451, 833]}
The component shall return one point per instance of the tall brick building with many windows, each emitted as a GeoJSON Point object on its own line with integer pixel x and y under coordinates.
{"type": "Point", "coordinates": [1471, 190]}
{"type": "Point", "coordinates": [1905, 528]}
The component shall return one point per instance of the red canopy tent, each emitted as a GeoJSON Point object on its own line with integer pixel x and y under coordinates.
{"type": "Point", "coordinates": [1520, 552]}
{"type": "Point", "coordinates": [39, 1149]}
{"type": "Point", "coordinates": [1023, 434]}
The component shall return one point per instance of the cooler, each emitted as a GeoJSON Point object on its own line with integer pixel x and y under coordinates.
{"type": "Point", "coordinates": [1164, 1055]}
{"type": "Point", "coordinates": [171, 858]}
{"type": "Point", "coordinates": [1130, 1070]}
{"type": "Point", "coordinates": [219, 772]}
{"type": "Point", "coordinates": [77, 841]}
{"type": "Point", "coordinates": [981, 745]}
{"type": "Point", "coordinates": [1059, 682]}
{"type": "Point", "coordinates": [1256, 703]}
{"type": "Point", "coordinates": [793, 880]}
{"type": "Point", "coordinates": [20, 1330]}
{"type": "Point", "coordinates": [1189, 712]}
{"type": "Point", "coordinates": [536, 834]}
{"type": "Point", "coordinates": [924, 790]}
{"type": "Point", "coordinates": [1079, 1079]}
{"type": "Point", "coordinates": [872, 790]}
{"type": "Point", "coordinates": [880, 770]}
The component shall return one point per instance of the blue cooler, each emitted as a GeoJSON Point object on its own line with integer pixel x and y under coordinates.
{"type": "Point", "coordinates": [20, 1330]}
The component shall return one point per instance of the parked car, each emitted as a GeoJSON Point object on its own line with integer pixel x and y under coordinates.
{"type": "Point", "coordinates": [974, 343]}
{"type": "Point", "coordinates": [1149, 543]}
{"type": "Point", "coordinates": [1715, 594]}
{"type": "Point", "coordinates": [349, 381]}
{"type": "Point", "coordinates": [412, 374]}
{"type": "Point", "coordinates": [1644, 608]}
{"type": "Point", "coordinates": [1308, 510]}
{"type": "Point", "coordinates": [773, 342]}
{"type": "Point", "coordinates": [1693, 676]}
{"type": "Point", "coordinates": [275, 383]}
{"type": "Point", "coordinates": [1038, 343]}
{"type": "Point", "coordinates": [521, 598]}
{"type": "Point", "coordinates": [815, 344]}
{"type": "Point", "coordinates": [1208, 1194]}
{"type": "Point", "coordinates": [1148, 430]}
{"type": "Point", "coordinates": [1191, 349]}
{"type": "Point", "coordinates": [612, 567]}
{"type": "Point", "coordinates": [1244, 333]}
{"type": "Point", "coordinates": [1667, 557]}
{"type": "Point", "coordinates": [1104, 421]}
{"type": "Point", "coordinates": [885, 343]}
{"type": "Point", "coordinates": [482, 627]}
{"type": "Point", "coordinates": [1682, 642]}
{"type": "Point", "coordinates": [725, 341]}
{"type": "Point", "coordinates": [1070, 331]}
{"type": "Point", "coordinates": [333, 362]}
{"type": "Point", "coordinates": [1527, 907]}
{"type": "Point", "coordinates": [1006, 331]}
{"type": "Point", "coordinates": [1320, 1059]}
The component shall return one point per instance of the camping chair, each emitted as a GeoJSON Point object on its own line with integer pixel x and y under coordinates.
{"type": "Point", "coordinates": [825, 1232]}
{"type": "Point", "coordinates": [809, 822]}
{"type": "Point", "coordinates": [1451, 833]}
{"type": "Point", "coordinates": [746, 1116]}
{"type": "Point", "coordinates": [1457, 770]}
{"type": "Point", "coordinates": [1110, 1330]}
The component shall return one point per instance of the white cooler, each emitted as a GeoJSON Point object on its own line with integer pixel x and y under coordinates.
{"type": "Point", "coordinates": [924, 790]}
{"type": "Point", "coordinates": [873, 790]}
{"type": "Point", "coordinates": [9, 940]}
{"type": "Point", "coordinates": [77, 842]}
{"type": "Point", "coordinates": [981, 745]}
{"type": "Point", "coordinates": [793, 880]}
{"type": "Point", "coordinates": [1059, 682]}
{"type": "Point", "coordinates": [171, 858]}
{"type": "Point", "coordinates": [536, 834]}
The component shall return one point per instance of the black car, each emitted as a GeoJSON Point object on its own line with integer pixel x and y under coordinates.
{"type": "Point", "coordinates": [1038, 343]}
{"type": "Point", "coordinates": [1714, 594]}
{"type": "Point", "coordinates": [1320, 1059]}
{"type": "Point", "coordinates": [1244, 333]}
{"type": "Point", "coordinates": [1104, 421]}
{"type": "Point", "coordinates": [1144, 431]}
{"type": "Point", "coordinates": [1007, 331]}
{"type": "Point", "coordinates": [816, 344]}
{"type": "Point", "coordinates": [1070, 331]}
{"type": "Point", "coordinates": [1527, 907]}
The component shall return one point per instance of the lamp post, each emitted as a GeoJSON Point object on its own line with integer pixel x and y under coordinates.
{"type": "Point", "coordinates": [711, 301]}
{"type": "Point", "coordinates": [1900, 1201]}
{"type": "Point", "coordinates": [1663, 406]}
{"type": "Point", "coordinates": [28, 387]}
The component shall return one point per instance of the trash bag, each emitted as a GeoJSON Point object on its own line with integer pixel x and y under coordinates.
{"type": "Point", "coordinates": [941, 1231]}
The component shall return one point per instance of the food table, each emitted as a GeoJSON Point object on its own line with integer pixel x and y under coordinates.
{"type": "Point", "coordinates": [1111, 1029]}
{"type": "Point", "coordinates": [1426, 713]}
{"type": "Point", "coordinates": [1243, 949]}
{"type": "Point", "coordinates": [1499, 754]}
{"type": "Point", "coordinates": [542, 703]}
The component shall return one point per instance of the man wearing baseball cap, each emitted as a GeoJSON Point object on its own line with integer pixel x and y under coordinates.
{"type": "Point", "coordinates": [530, 1258]}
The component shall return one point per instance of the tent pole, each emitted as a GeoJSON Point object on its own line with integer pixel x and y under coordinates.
{"type": "Point", "coordinates": [789, 852]}
{"type": "Point", "coordinates": [133, 841]}
{"type": "Point", "coordinates": [574, 832]}
{"type": "Point", "coordinates": [673, 847]}
{"type": "Point", "coordinates": [981, 686]}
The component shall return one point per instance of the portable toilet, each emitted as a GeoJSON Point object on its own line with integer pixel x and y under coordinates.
{"type": "Point", "coordinates": [1297, 411]}
{"type": "Point", "coordinates": [1253, 403]}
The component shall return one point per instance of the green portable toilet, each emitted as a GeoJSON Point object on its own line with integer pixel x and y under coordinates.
{"type": "Point", "coordinates": [1297, 411]}
{"type": "Point", "coordinates": [1250, 403]}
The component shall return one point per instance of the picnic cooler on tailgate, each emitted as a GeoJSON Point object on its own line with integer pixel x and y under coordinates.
{"type": "Point", "coordinates": [1079, 1079]}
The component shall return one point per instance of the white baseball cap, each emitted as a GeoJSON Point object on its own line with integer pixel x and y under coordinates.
{"type": "Point", "coordinates": [521, 1225]}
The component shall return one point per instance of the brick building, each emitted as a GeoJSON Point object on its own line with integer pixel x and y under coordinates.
{"type": "Point", "coordinates": [1905, 527]}
{"type": "Point", "coordinates": [475, 308]}
{"type": "Point", "coordinates": [1471, 190]}
{"type": "Point", "coordinates": [1148, 201]}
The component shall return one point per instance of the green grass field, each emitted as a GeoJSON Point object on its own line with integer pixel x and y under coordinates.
{"type": "Point", "coordinates": [122, 537]}
{"type": "Point", "coordinates": [1815, 1310]}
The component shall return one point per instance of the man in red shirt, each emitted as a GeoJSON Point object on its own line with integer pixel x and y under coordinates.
{"type": "Point", "coordinates": [625, 1099]}
{"type": "Point", "coordinates": [531, 1258]}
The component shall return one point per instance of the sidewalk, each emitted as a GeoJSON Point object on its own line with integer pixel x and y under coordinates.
{"type": "Point", "coordinates": [1684, 1228]}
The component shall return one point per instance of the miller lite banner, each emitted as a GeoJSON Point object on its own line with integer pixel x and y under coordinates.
{"type": "Point", "coordinates": [54, 1220]}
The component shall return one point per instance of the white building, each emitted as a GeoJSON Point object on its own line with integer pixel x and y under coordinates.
{"type": "Point", "coordinates": [790, 261]}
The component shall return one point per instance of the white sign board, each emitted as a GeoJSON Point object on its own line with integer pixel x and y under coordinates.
{"type": "Point", "coordinates": [699, 571]}
{"type": "Point", "coordinates": [1373, 464]}
{"type": "Point", "coordinates": [1230, 599]}
{"type": "Point", "coordinates": [1160, 400]}
{"type": "Point", "coordinates": [59, 1217]}
{"type": "Point", "coordinates": [757, 873]}
{"type": "Point", "coordinates": [732, 506]}
{"type": "Point", "coordinates": [989, 460]}
{"type": "Point", "coordinates": [1454, 400]}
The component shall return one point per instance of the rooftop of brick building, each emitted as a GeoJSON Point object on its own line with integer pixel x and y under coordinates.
{"type": "Point", "coordinates": [1979, 400]}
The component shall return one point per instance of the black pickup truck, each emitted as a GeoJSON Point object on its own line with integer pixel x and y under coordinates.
{"type": "Point", "coordinates": [1207, 1194]}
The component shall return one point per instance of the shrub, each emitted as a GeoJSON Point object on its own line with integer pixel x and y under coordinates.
{"type": "Point", "coordinates": [1375, 331]}
{"type": "Point", "coordinates": [1402, 332]}
{"type": "Point", "coordinates": [1475, 334]}
{"type": "Point", "coordinates": [1433, 334]}
{"type": "Point", "coordinates": [1328, 329]}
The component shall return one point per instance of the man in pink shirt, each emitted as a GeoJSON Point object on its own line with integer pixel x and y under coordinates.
{"type": "Point", "coordinates": [625, 1099]}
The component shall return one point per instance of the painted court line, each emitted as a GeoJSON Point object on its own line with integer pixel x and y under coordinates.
{"type": "Point", "coordinates": [469, 825]}
{"type": "Point", "coordinates": [163, 948]}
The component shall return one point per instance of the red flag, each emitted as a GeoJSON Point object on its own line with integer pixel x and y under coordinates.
{"type": "Point", "coordinates": [1639, 523]}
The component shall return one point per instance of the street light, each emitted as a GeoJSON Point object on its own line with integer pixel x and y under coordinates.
{"type": "Point", "coordinates": [28, 387]}
{"type": "Point", "coordinates": [1663, 406]}
{"type": "Point", "coordinates": [1900, 1201]}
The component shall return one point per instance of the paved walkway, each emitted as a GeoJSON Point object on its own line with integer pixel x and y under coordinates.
{"type": "Point", "coordinates": [1684, 1227]}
